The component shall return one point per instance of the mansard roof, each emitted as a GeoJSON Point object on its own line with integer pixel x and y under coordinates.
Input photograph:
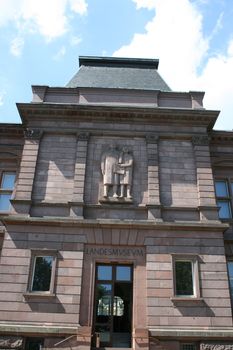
{"type": "Point", "coordinates": [118, 73]}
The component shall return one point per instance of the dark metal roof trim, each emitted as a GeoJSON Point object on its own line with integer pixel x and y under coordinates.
{"type": "Point", "coordinates": [145, 63]}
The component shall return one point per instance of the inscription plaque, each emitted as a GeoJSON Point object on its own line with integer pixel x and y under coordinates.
{"type": "Point", "coordinates": [216, 346]}
{"type": "Point", "coordinates": [114, 251]}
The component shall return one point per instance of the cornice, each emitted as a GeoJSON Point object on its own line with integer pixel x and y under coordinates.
{"type": "Point", "coordinates": [221, 137]}
{"type": "Point", "coordinates": [43, 111]}
{"type": "Point", "coordinates": [111, 223]}
{"type": "Point", "coordinates": [14, 130]}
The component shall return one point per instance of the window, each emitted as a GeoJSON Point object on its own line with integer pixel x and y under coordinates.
{"type": "Point", "coordinates": [224, 194]}
{"type": "Point", "coordinates": [230, 277]}
{"type": "Point", "coordinates": [188, 346]}
{"type": "Point", "coordinates": [185, 276]}
{"type": "Point", "coordinates": [42, 272]}
{"type": "Point", "coordinates": [6, 189]}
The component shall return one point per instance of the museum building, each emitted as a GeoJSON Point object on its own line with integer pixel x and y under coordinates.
{"type": "Point", "coordinates": [116, 226]}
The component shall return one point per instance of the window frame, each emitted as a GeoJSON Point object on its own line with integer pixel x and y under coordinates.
{"type": "Point", "coordinates": [229, 198]}
{"type": "Point", "coordinates": [195, 276]}
{"type": "Point", "coordinates": [230, 260]}
{"type": "Point", "coordinates": [7, 191]}
{"type": "Point", "coordinates": [42, 253]}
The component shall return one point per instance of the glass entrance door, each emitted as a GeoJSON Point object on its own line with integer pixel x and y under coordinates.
{"type": "Point", "coordinates": [113, 305]}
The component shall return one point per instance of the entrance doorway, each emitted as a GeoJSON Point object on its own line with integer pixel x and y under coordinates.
{"type": "Point", "coordinates": [112, 322]}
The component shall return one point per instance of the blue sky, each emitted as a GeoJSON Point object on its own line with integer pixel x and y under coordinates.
{"type": "Point", "coordinates": [40, 42]}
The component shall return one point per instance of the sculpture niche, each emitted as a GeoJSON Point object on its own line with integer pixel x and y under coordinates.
{"type": "Point", "coordinates": [117, 170]}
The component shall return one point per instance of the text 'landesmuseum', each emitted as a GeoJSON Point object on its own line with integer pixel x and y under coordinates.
{"type": "Point", "coordinates": [116, 216]}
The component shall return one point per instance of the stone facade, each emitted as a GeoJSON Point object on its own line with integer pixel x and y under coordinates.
{"type": "Point", "coordinates": [159, 208]}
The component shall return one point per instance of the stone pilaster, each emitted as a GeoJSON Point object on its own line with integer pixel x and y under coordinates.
{"type": "Point", "coordinates": [154, 207]}
{"type": "Point", "coordinates": [205, 183]}
{"type": "Point", "coordinates": [21, 203]}
{"type": "Point", "coordinates": [77, 203]}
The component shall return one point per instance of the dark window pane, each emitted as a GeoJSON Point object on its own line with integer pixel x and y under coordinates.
{"type": "Point", "coordinates": [224, 211]}
{"type": "Point", "coordinates": [184, 278]}
{"type": "Point", "coordinates": [104, 272]}
{"type": "Point", "coordinates": [230, 269]}
{"type": "Point", "coordinates": [8, 181]}
{"type": "Point", "coordinates": [230, 274]}
{"type": "Point", "coordinates": [5, 202]}
{"type": "Point", "coordinates": [188, 347]}
{"type": "Point", "coordinates": [123, 273]}
{"type": "Point", "coordinates": [104, 333]}
{"type": "Point", "coordinates": [34, 344]}
{"type": "Point", "coordinates": [221, 189]}
{"type": "Point", "coordinates": [42, 273]}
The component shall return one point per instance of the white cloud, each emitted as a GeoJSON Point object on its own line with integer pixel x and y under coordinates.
{"type": "Point", "coordinates": [48, 18]}
{"type": "Point", "coordinates": [150, 4]}
{"type": "Point", "coordinates": [16, 46]}
{"type": "Point", "coordinates": [79, 6]}
{"type": "Point", "coordinates": [75, 40]}
{"type": "Point", "coordinates": [60, 54]}
{"type": "Point", "coordinates": [216, 81]}
{"type": "Point", "coordinates": [1, 99]}
{"type": "Point", "coordinates": [175, 36]}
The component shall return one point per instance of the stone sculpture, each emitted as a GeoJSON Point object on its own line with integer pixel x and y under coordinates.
{"type": "Point", "coordinates": [117, 170]}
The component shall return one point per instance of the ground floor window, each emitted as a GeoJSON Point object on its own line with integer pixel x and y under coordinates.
{"type": "Point", "coordinates": [230, 277]}
{"type": "Point", "coordinates": [188, 346]}
{"type": "Point", "coordinates": [185, 276]}
{"type": "Point", "coordinates": [42, 274]}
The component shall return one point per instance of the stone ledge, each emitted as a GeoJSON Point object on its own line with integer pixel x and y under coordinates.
{"type": "Point", "coordinates": [146, 224]}
{"type": "Point", "coordinates": [188, 299]}
{"type": "Point", "coordinates": [117, 200]}
{"type": "Point", "coordinates": [32, 295]}
{"type": "Point", "coordinates": [38, 329]}
{"type": "Point", "coordinates": [194, 333]}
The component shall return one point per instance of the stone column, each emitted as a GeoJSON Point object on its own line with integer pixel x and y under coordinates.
{"type": "Point", "coordinates": [77, 203]}
{"type": "Point", "coordinates": [21, 202]}
{"type": "Point", "coordinates": [154, 206]}
{"type": "Point", "coordinates": [205, 183]}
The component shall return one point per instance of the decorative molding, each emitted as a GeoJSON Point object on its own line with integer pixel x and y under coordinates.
{"type": "Point", "coordinates": [221, 137]}
{"type": "Point", "coordinates": [33, 134]}
{"type": "Point", "coordinates": [222, 162]}
{"type": "Point", "coordinates": [123, 113]}
{"type": "Point", "coordinates": [97, 223]}
{"type": "Point", "coordinates": [10, 342]}
{"type": "Point", "coordinates": [8, 155]}
{"type": "Point", "coordinates": [200, 140]}
{"type": "Point", "coordinates": [22, 328]}
{"type": "Point", "coordinates": [112, 200]}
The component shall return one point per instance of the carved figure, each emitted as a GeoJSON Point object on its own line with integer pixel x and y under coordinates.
{"type": "Point", "coordinates": [126, 164]}
{"type": "Point", "coordinates": [109, 162]}
{"type": "Point", "coordinates": [117, 170]}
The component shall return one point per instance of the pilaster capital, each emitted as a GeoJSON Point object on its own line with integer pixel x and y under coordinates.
{"type": "Point", "coordinates": [33, 134]}
{"type": "Point", "coordinates": [83, 136]}
{"type": "Point", "coordinates": [200, 140]}
{"type": "Point", "coordinates": [152, 138]}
